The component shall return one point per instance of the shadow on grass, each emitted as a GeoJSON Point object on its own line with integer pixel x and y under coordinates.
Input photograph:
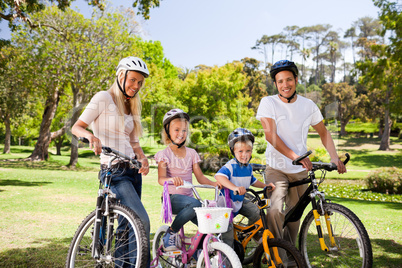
{"type": "Point", "coordinates": [390, 205]}
{"type": "Point", "coordinates": [368, 160]}
{"type": "Point", "coordinates": [53, 253]}
{"type": "Point", "coordinates": [46, 253]}
{"type": "Point", "coordinates": [41, 165]}
{"type": "Point", "coordinates": [22, 183]}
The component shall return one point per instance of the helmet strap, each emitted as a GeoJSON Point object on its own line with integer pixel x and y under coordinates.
{"type": "Point", "coordinates": [290, 98]}
{"type": "Point", "coordinates": [123, 90]}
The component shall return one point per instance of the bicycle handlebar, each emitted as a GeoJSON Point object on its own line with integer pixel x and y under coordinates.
{"type": "Point", "coordinates": [108, 150]}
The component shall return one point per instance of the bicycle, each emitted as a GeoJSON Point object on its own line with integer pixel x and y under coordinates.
{"type": "Point", "coordinates": [344, 242]}
{"type": "Point", "coordinates": [203, 249]}
{"type": "Point", "coordinates": [97, 242]}
{"type": "Point", "coordinates": [259, 243]}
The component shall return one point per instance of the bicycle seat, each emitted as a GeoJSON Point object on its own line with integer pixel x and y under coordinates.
{"type": "Point", "coordinates": [258, 167]}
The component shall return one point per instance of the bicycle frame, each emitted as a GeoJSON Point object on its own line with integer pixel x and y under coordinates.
{"type": "Point", "coordinates": [192, 242]}
{"type": "Point", "coordinates": [250, 231]}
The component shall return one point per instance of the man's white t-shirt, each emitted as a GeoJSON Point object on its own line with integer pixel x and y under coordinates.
{"type": "Point", "coordinates": [292, 122]}
{"type": "Point", "coordinates": [109, 125]}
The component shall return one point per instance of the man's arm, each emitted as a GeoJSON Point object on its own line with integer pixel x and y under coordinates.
{"type": "Point", "coordinates": [329, 144]}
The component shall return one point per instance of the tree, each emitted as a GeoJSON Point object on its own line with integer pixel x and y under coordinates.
{"type": "Point", "coordinates": [383, 71]}
{"type": "Point", "coordinates": [351, 32]}
{"type": "Point", "coordinates": [346, 100]}
{"type": "Point", "coordinates": [13, 93]}
{"type": "Point", "coordinates": [319, 34]}
{"type": "Point", "coordinates": [22, 9]}
{"type": "Point", "coordinates": [272, 40]}
{"type": "Point", "coordinates": [255, 87]}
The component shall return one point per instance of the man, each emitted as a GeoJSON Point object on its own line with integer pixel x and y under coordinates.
{"type": "Point", "coordinates": [286, 119]}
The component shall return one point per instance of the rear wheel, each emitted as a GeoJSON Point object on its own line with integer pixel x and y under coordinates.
{"type": "Point", "coordinates": [352, 244]}
{"type": "Point", "coordinates": [128, 242]}
{"type": "Point", "coordinates": [289, 255]}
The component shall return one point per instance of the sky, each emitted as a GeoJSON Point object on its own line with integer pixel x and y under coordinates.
{"type": "Point", "coordinates": [215, 32]}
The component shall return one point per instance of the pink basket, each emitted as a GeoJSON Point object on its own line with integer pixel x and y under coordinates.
{"type": "Point", "coordinates": [213, 220]}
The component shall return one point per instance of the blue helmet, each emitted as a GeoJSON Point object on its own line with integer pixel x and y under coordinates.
{"type": "Point", "coordinates": [283, 65]}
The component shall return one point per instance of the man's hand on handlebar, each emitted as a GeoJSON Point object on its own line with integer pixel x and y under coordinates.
{"type": "Point", "coordinates": [306, 163]}
{"type": "Point", "coordinates": [339, 164]}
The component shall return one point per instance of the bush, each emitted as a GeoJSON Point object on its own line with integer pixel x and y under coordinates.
{"type": "Point", "coordinates": [385, 180]}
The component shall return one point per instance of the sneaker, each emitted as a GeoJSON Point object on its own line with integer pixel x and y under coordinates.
{"type": "Point", "coordinates": [170, 241]}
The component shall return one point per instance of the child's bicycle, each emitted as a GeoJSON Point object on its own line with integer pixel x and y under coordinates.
{"type": "Point", "coordinates": [97, 242]}
{"type": "Point", "coordinates": [344, 242]}
{"type": "Point", "coordinates": [203, 249]}
{"type": "Point", "coordinates": [259, 243]}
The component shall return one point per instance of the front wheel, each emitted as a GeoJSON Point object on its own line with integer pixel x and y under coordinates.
{"type": "Point", "coordinates": [128, 242]}
{"type": "Point", "coordinates": [352, 246]}
{"type": "Point", "coordinates": [288, 253]}
{"type": "Point", "coordinates": [220, 255]}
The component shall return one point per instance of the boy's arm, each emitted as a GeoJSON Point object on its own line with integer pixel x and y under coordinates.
{"type": "Point", "coordinates": [225, 182]}
{"type": "Point", "coordinates": [259, 184]}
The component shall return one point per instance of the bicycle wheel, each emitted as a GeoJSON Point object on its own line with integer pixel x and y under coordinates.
{"type": "Point", "coordinates": [353, 247]}
{"type": "Point", "coordinates": [128, 242]}
{"type": "Point", "coordinates": [290, 256]}
{"type": "Point", "coordinates": [164, 260]}
{"type": "Point", "coordinates": [220, 255]}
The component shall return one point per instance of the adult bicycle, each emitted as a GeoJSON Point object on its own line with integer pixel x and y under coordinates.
{"type": "Point", "coordinates": [204, 249]}
{"type": "Point", "coordinates": [112, 235]}
{"type": "Point", "coordinates": [344, 242]}
{"type": "Point", "coordinates": [259, 243]}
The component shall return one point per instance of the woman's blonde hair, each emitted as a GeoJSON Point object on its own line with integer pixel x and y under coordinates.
{"type": "Point", "coordinates": [165, 138]}
{"type": "Point", "coordinates": [135, 104]}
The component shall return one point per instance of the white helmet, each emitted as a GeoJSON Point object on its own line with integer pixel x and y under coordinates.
{"type": "Point", "coordinates": [133, 64]}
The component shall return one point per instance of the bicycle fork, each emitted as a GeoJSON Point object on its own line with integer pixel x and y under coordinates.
{"type": "Point", "coordinates": [277, 258]}
{"type": "Point", "coordinates": [317, 221]}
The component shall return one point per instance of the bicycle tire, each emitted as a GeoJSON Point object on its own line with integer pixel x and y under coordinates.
{"type": "Point", "coordinates": [290, 255]}
{"type": "Point", "coordinates": [220, 255]}
{"type": "Point", "coordinates": [164, 261]}
{"type": "Point", "coordinates": [350, 236]}
{"type": "Point", "coordinates": [80, 250]}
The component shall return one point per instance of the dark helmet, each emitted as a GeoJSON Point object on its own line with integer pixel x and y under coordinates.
{"type": "Point", "coordinates": [239, 134]}
{"type": "Point", "coordinates": [283, 65]}
{"type": "Point", "coordinates": [173, 114]}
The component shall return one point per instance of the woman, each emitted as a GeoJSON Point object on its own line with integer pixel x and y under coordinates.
{"type": "Point", "coordinates": [116, 123]}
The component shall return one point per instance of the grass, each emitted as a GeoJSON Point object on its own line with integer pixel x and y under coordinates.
{"type": "Point", "coordinates": [42, 203]}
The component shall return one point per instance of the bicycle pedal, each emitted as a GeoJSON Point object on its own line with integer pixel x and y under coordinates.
{"type": "Point", "coordinates": [172, 253]}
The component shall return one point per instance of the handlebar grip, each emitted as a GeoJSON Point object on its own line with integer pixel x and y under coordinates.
{"type": "Point", "coordinates": [347, 159]}
{"type": "Point", "coordinates": [235, 192]}
{"type": "Point", "coordinates": [296, 161]}
{"type": "Point", "coordinates": [84, 140]}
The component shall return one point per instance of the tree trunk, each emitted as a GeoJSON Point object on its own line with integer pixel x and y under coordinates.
{"type": "Point", "coordinates": [384, 145]}
{"type": "Point", "coordinates": [343, 128]}
{"type": "Point", "coordinates": [7, 140]}
{"type": "Point", "coordinates": [77, 100]}
{"type": "Point", "coordinates": [40, 152]}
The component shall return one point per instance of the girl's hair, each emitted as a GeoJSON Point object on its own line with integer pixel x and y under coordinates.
{"type": "Point", "coordinates": [165, 138]}
{"type": "Point", "coordinates": [135, 104]}
{"type": "Point", "coordinates": [247, 142]}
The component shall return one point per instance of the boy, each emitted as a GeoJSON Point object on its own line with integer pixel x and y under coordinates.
{"type": "Point", "coordinates": [237, 175]}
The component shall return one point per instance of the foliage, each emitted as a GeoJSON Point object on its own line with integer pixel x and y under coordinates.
{"type": "Point", "coordinates": [346, 102]}
{"type": "Point", "coordinates": [385, 180]}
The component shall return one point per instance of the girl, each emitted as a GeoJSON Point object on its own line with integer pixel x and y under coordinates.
{"type": "Point", "coordinates": [176, 164]}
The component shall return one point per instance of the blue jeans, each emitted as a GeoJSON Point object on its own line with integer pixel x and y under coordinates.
{"type": "Point", "coordinates": [182, 206]}
{"type": "Point", "coordinates": [127, 185]}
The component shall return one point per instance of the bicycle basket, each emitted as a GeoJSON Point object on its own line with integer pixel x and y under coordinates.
{"type": "Point", "coordinates": [213, 220]}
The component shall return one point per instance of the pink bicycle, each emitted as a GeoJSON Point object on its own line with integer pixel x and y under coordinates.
{"type": "Point", "coordinates": [204, 249]}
